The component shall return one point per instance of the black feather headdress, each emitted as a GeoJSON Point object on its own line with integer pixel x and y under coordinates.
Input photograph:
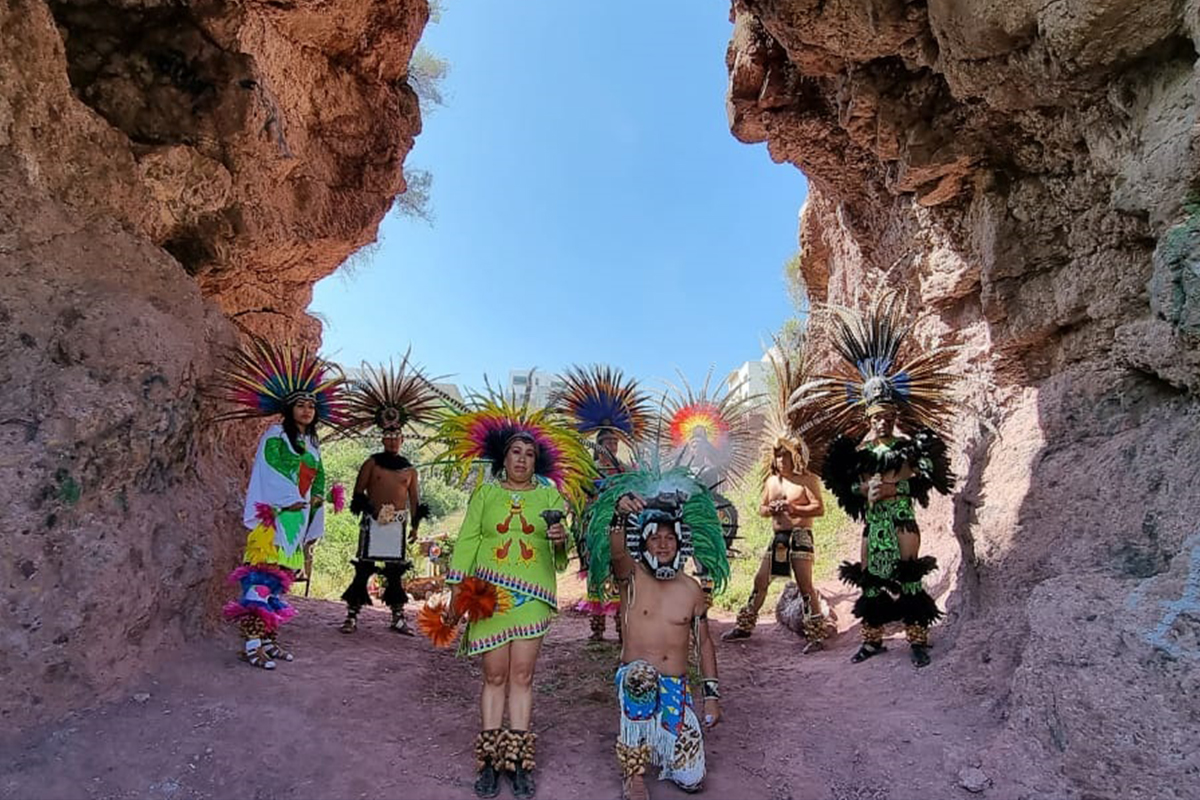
{"type": "Point", "coordinates": [879, 372]}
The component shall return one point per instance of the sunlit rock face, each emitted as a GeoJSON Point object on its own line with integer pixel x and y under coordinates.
{"type": "Point", "coordinates": [170, 174]}
{"type": "Point", "coordinates": [1029, 171]}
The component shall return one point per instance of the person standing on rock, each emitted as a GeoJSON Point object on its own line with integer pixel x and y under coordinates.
{"type": "Point", "coordinates": [601, 401]}
{"type": "Point", "coordinates": [644, 528]}
{"type": "Point", "coordinates": [386, 493]}
{"type": "Point", "coordinates": [878, 474]}
{"type": "Point", "coordinates": [284, 510]}
{"type": "Point", "coordinates": [791, 497]}
{"type": "Point", "coordinates": [503, 571]}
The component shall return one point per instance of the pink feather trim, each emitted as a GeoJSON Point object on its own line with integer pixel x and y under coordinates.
{"type": "Point", "coordinates": [234, 611]}
{"type": "Point", "coordinates": [264, 514]}
{"type": "Point", "coordinates": [609, 608]}
{"type": "Point", "coordinates": [284, 576]}
{"type": "Point", "coordinates": [337, 496]}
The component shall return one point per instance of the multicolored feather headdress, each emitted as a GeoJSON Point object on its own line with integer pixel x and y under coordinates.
{"type": "Point", "coordinates": [483, 430]}
{"type": "Point", "coordinates": [262, 380]}
{"type": "Point", "coordinates": [700, 533]}
{"type": "Point", "coordinates": [874, 378]}
{"type": "Point", "coordinates": [390, 398]}
{"type": "Point", "coordinates": [708, 433]}
{"type": "Point", "coordinates": [598, 399]}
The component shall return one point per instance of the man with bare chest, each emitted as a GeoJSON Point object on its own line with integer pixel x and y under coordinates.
{"type": "Point", "coordinates": [791, 497]}
{"type": "Point", "coordinates": [664, 612]}
{"type": "Point", "coordinates": [386, 498]}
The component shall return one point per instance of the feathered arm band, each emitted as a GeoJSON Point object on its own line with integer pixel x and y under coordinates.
{"type": "Point", "coordinates": [361, 504]}
{"type": "Point", "coordinates": [930, 462]}
{"type": "Point", "coordinates": [840, 473]}
{"type": "Point", "coordinates": [420, 513]}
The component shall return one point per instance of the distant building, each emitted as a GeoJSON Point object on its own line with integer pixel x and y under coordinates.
{"type": "Point", "coordinates": [750, 380]}
{"type": "Point", "coordinates": [449, 390]}
{"type": "Point", "coordinates": [540, 386]}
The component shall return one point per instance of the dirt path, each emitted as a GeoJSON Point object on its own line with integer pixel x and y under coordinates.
{"type": "Point", "coordinates": [377, 715]}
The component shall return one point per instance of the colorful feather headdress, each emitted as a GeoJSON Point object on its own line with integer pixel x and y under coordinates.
{"type": "Point", "coordinates": [703, 526]}
{"type": "Point", "coordinates": [262, 380]}
{"type": "Point", "coordinates": [879, 372]}
{"type": "Point", "coordinates": [710, 434]}
{"type": "Point", "coordinates": [483, 430]}
{"type": "Point", "coordinates": [600, 399]}
{"type": "Point", "coordinates": [390, 398]}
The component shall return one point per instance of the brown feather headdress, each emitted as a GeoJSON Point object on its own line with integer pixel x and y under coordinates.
{"type": "Point", "coordinates": [391, 398]}
{"type": "Point", "coordinates": [790, 368]}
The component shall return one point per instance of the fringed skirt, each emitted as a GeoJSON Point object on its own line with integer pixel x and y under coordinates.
{"type": "Point", "coordinates": [518, 616]}
{"type": "Point", "coordinates": [657, 710]}
{"type": "Point", "coordinates": [263, 580]}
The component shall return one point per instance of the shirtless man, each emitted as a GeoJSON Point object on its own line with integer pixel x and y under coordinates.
{"type": "Point", "coordinates": [792, 499]}
{"type": "Point", "coordinates": [385, 495]}
{"type": "Point", "coordinates": [662, 609]}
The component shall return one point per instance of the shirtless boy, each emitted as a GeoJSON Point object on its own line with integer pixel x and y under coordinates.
{"type": "Point", "coordinates": [791, 497]}
{"type": "Point", "coordinates": [662, 610]}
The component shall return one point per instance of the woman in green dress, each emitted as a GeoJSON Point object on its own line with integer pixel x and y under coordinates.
{"type": "Point", "coordinates": [514, 541]}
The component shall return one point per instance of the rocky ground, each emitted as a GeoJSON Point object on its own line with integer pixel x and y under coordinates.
{"type": "Point", "coordinates": [380, 715]}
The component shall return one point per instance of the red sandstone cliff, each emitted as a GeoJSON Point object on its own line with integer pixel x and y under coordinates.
{"type": "Point", "coordinates": [166, 170]}
{"type": "Point", "coordinates": [1029, 171]}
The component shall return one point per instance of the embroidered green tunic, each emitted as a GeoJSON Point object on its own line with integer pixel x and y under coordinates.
{"type": "Point", "coordinates": [503, 541]}
{"type": "Point", "coordinates": [925, 458]}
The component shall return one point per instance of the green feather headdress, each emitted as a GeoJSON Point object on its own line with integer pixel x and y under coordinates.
{"type": "Point", "coordinates": [699, 517]}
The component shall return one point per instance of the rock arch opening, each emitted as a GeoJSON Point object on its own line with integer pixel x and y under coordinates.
{"type": "Point", "coordinates": [1029, 170]}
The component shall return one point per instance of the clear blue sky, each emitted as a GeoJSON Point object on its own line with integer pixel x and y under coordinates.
{"type": "Point", "coordinates": [590, 202]}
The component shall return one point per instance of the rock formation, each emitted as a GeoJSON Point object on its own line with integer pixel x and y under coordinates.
{"type": "Point", "coordinates": [170, 173]}
{"type": "Point", "coordinates": [1030, 172]}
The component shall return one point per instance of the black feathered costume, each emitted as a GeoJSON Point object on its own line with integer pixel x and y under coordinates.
{"type": "Point", "coordinates": [837, 409]}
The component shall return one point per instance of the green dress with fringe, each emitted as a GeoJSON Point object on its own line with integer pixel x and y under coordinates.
{"type": "Point", "coordinates": [503, 541]}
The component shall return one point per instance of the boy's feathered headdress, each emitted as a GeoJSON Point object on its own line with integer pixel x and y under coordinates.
{"type": "Point", "coordinates": [483, 429]}
{"type": "Point", "coordinates": [700, 533]}
{"type": "Point", "coordinates": [390, 398]}
{"type": "Point", "coordinates": [598, 399]}
{"type": "Point", "coordinates": [262, 380]}
{"type": "Point", "coordinates": [790, 372]}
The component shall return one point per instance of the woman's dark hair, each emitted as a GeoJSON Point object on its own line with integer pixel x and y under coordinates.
{"type": "Point", "coordinates": [293, 430]}
{"type": "Point", "coordinates": [540, 463]}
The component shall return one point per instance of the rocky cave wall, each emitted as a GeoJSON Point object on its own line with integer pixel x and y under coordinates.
{"type": "Point", "coordinates": [1030, 172]}
{"type": "Point", "coordinates": [171, 174]}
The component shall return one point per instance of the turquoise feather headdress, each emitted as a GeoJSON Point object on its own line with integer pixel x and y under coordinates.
{"type": "Point", "coordinates": [699, 518]}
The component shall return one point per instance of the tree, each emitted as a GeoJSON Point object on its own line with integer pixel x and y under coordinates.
{"type": "Point", "coordinates": [797, 289]}
{"type": "Point", "coordinates": [426, 72]}
{"type": "Point", "coordinates": [415, 202]}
